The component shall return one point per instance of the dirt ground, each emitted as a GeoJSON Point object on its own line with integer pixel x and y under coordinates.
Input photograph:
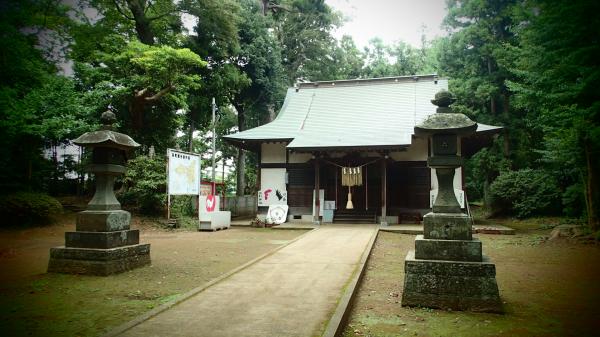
{"type": "Point", "coordinates": [549, 288]}
{"type": "Point", "coordinates": [34, 303]}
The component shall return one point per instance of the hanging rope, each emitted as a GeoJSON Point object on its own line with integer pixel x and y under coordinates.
{"type": "Point", "coordinates": [340, 166]}
{"type": "Point", "coordinates": [351, 176]}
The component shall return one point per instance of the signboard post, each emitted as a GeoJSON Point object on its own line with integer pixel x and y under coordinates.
{"type": "Point", "coordinates": [183, 175]}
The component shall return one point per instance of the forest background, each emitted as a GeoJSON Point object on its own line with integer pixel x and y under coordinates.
{"type": "Point", "coordinates": [527, 65]}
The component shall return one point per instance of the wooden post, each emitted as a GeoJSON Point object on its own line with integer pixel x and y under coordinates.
{"type": "Point", "coordinates": [384, 191]}
{"type": "Point", "coordinates": [367, 187]}
{"type": "Point", "coordinates": [317, 186]}
{"type": "Point", "coordinates": [168, 194]}
{"type": "Point", "coordinates": [336, 188]}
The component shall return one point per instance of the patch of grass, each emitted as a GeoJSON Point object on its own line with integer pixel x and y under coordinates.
{"type": "Point", "coordinates": [188, 223]}
{"type": "Point", "coordinates": [540, 283]}
{"type": "Point", "coordinates": [77, 305]}
{"type": "Point", "coordinates": [169, 298]}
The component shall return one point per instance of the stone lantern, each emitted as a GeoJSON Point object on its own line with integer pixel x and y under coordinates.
{"type": "Point", "coordinates": [447, 269]}
{"type": "Point", "coordinates": [103, 243]}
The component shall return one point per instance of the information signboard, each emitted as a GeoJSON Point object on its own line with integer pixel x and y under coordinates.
{"type": "Point", "coordinates": [184, 173]}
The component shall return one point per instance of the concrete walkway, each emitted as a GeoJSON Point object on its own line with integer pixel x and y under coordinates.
{"type": "Point", "coordinates": [293, 292]}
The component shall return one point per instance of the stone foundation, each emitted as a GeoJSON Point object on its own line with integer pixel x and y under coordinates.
{"type": "Point", "coordinates": [447, 269]}
{"type": "Point", "coordinates": [454, 250]}
{"type": "Point", "coordinates": [101, 262]}
{"type": "Point", "coordinates": [455, 285]}
{"type": "Point", "coordinates": [102, 245]}
{"type": "Point", "coordinates": [456, 226]}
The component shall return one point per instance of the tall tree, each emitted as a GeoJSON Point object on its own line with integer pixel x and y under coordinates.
{"type": "Point", "coordinates": [153, 21]}
{"type": "Point", "coordinates": [217, 39]}
{"type": "Point", "coordinates": [37, 106]}
{"type": "Point", "coordinates": [303, 28]}
{"type": "Point", "coordinates": [474, 57]}
{"type": "Point", "coordinates": [557, 65]}
{"type": "Point", "coordinates": [146, 85]}
{"type": "Point", "coordinates": [480, 30]}
{"type": "Point", "coordinates": [259, 59]}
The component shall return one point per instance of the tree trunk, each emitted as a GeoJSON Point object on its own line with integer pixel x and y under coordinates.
{"type": "Point", "coordinates": [271, 113]}
{"type": "Point", "coordinates": [591, 188]}
{"type": "Point", "coordinates": [265, 7]}
{"type": "Point", "coordinates": [136, 112]}
{"type": "Point", "coordinates": [505, 111]}
{"type": "Point", "coordinates": [241, 157]}
{"type": "Point", "coordinates": [492, 98]}
{"type": "Point", "coordinates": [191, 136]}
{"type": "Point", "coordinates": [142, 23]}
{"type": "Point", "coordinates": [486, 194]}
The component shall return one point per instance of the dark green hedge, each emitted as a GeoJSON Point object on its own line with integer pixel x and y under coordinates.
{"type": "Point", "coordinates": [525, 193]}
{"type": "Point", "coordinates": [28, 209]}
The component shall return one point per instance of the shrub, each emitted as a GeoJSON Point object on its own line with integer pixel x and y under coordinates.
{"type": "Point", "coordinates": [525, 193]}
{"type": "Point", "coordinates": [29, 208]}
{"type": "Point", "coordinates": [145, 184]}
{"type": "Point", "coordinates": [183, 205]}
{"type": "Point", "coordinates": [573, 201]}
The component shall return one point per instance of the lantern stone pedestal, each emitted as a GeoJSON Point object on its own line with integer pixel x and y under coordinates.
{"type": "Point", "coordinates": [447, 269]}
{"type": "Point", "coordinates": [103, 242]}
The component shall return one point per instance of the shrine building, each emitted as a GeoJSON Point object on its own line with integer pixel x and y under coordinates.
{"type": "Point", "coordinates": [357, 137]}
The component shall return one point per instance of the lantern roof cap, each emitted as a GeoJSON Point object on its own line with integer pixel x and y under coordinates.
{"type": "Point", "coordinates": [445, 121]}
{"type": "Point", "coordinates": [105, 137]}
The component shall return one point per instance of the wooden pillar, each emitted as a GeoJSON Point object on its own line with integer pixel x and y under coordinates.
{"type": "Point", "coordinates": [367, 187]}
{"type": "Point", "coordinates": [384, 191]}
{"type": "Point", "coordinates": [336, 187]}
{"type": "Point", "coordinates": [316, 193]}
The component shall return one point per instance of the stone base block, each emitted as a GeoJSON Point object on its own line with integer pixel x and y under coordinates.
{"type": "Point", "coordinates": [447, 226]}
{"type": "Point", "coordinates": [455, 285]}
{"type": "Point", "coordinates": [453, 250]}
{"type": "Point", "coordinates": [98, 261]}
{"type": "Point", "coordinates": [103, 221]}
{"type": "Point", "coordinates": [103, 240]}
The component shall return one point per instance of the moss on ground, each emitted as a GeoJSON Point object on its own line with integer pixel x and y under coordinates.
{"type": "Point", "coordinates": [35, 303]}
{"type": "Point", "coordinates": [548, 289]}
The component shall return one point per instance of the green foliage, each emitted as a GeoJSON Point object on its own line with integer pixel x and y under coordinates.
{"type": "Point", "coordinates": [556, 69]}
{"type": "Point", "coordinates": [481, 169]}
{"type": "Point", "coordinates": [145, 184]}
{"type": "Point", "coordinates": [182, 206]}
{"type": "Point", "coordinates": [37, 106]}
{"type": "Point", "coordinates": [260, 60]}
{"type": "Point", "coordinates": [28, 208]}
{"type": "Point", "coordinates": [573, 200]}
{"type": "Point", "coordinates": [216, 33]}
{"type": "Point", "coordinates": [524, 193]}
{"type": "Point", "coordinates": [304, 33]}
{"type": "Point", "coordinates": [146, 85]}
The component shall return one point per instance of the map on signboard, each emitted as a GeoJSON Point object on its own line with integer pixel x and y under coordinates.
{"type": "Point", "coordinates": [184, 173]}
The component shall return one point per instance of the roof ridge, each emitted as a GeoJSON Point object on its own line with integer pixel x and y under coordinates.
{"type": "Point", "coordinates": [366, 81]}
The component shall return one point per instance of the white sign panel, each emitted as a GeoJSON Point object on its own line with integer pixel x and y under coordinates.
{"type": "Point", "coordinates": [272, 196]}
{"type": "Point", "coordinates": [184, 173]}
{"type": "Point", "coordinates": [208, 204]}
{"type": "Point", "coordinates": [277, 213]}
